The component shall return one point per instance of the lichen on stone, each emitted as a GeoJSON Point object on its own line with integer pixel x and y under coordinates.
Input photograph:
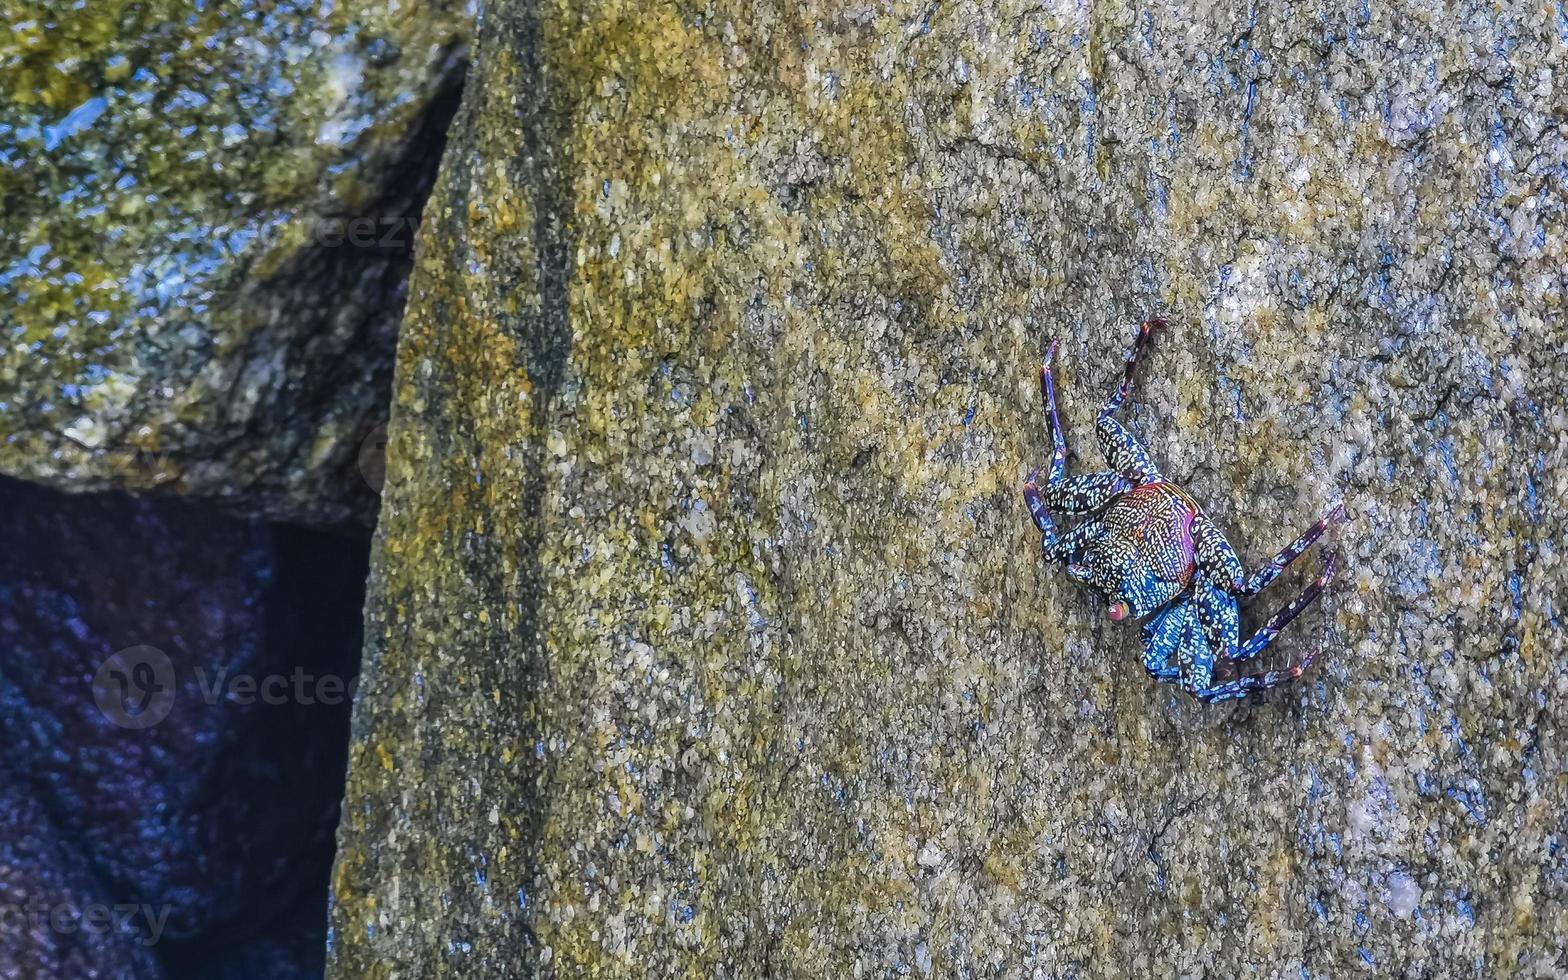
{"type": "Point", "coordinates": [708, 632]}
{"type": "Point", "coordinates": [181, 312]}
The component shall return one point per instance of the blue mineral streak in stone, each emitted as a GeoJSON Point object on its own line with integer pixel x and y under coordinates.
{"type": "Point", "coordinates": [76, 121]}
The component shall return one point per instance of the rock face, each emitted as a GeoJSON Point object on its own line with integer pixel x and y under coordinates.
{"type": "Point", "coordinates": [174, 750]}
{"type": "Point", "coordinates": [207, 218]}
{"type": "Point", "coordinates": [708, 632]}
{"type": "Point", "coordinates": [48, 889]}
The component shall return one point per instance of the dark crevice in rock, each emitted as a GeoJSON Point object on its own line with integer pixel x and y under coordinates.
{"type": "Point", "coordinates": [354, 282]}
{"type": "Point", "coordinates": [220, 817]}
{"type": "Point", "coordinates": [311, 614]}
{"type": "Point", "coordinates": [220, 814]}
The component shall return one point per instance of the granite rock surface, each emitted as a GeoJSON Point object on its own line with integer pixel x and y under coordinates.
{"type": "Point", "coordinates": [206, 218]}
{"type": "Point", "coordinates": [708, 634]}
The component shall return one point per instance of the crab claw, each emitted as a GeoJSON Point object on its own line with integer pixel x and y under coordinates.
{"type": "Point", "coordinates": [1119, 611]}
{"type": "Point", "coordinates": [1050, 351]}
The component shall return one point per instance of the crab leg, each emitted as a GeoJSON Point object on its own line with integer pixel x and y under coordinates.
{"type": "Point", "coordinates": [1247, 684]}
{"type": "Point", "coordinates": [1125, 454]}
{"type": "Point", "coordinates": [1162, 638]}
{"type": "Point", "coordinates": [1145, 329]}
{"type": "Point", "coordinates": [1261, 579]}
{"type": "Point", "coordinates": [1073, 543]}
{"type": "Point", "coordinates": [1071, 495]}
{"type": "Point", "coordinates": [1048, 397]}
{"type": "Point", "coordinates": [1263, 637]}
{"type": "Point", "coordinates": [1037, 506]}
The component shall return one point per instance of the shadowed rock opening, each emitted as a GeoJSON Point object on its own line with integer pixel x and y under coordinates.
{"type": "Point", "coordinates": [178, 662]}
{"type": "Point", "coordinates": [176, 687]}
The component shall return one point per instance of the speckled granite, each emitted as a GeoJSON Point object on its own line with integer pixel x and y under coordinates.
{"type": "Point", "coordinates": [708, 631]}
{"type": "Point", "coordinates": [206, 214]}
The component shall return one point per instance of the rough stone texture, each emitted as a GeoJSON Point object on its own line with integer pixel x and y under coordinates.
{"type": "Point", "coordinates": [46, 892]}
{"type": "Point", "coordinates": [186, 306]}
{"type": "Point", "coordinates": [708, 634]}
{"type": "Point", "coordinates": [218, 817]}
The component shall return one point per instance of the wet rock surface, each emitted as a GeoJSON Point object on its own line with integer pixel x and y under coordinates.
{"type": "Point", "coordinates": [207, 218]}
{"type": "Point", "coordinates": [174, 744]}
{"type": "Point", "coordinates": [708, 633]}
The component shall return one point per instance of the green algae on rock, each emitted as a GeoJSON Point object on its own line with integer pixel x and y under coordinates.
{"type": "Point", "coordinates": [181, 310]}
{"type": "Point", "coordinates": [708, 634]}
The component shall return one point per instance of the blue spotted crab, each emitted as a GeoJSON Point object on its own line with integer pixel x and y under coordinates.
{"type": "Point", "coordinates": [1148, 548]}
